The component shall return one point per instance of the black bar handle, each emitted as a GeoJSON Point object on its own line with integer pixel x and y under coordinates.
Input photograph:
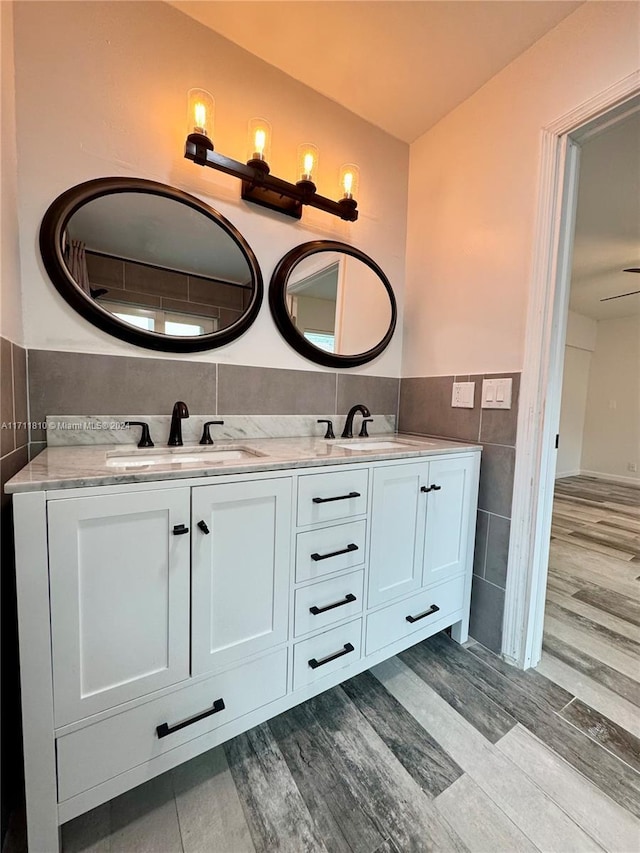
{"type": "Point", "coordinates": [433, 609]}
{"type": "Point", "coordinates": [351, 547]}
{"type": "Point", "coordinates": [346, 600]}
{"type": "Point", "coordinates": [431, 488]}
{"type": "Point", "coordinates": [314, 663]}
{"type": "Point", "coordinates": [164, 729]}
{"type": "Point", "coordinates": [179, 529]}
{"type": "Point", "coordinates": [339, 498]}
{"type": "Point", "coordinates": [202, 525]}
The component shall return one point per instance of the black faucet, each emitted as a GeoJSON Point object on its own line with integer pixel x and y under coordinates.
{"type": "Point", "coordinates": [175, 433]}
{"type": "Point", "coordinates": [347, 432]}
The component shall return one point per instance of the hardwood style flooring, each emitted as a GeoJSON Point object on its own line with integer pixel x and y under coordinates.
{"type": "Point", "coordinates": [442, 748]}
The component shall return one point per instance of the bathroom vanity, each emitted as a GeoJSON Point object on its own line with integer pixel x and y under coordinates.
{"type": "Point", "coordinates": [166, 607]}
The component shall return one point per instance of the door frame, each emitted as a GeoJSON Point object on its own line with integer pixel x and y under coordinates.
{"type": "Point", "coordinates": [541, 386]}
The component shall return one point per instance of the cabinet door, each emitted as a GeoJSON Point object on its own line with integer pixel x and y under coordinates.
{"type": "Point", "coordinates": [397, 531]}
{"type": "Point", "coordinates": [448, 509]}
{"type": "Point", "coordinates": [119, 598]}
{"type": "Point", "coordinates": [240, 570]}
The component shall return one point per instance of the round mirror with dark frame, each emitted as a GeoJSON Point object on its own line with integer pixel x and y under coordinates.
{"type": "Point", "coordinates": [332, 303]}
{"type": "Point", "coordinates": [151, 265]}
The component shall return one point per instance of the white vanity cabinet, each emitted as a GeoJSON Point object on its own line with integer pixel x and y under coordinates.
{"type": "Point", "coordinates": [240, 570]}
{"type": "Point", "coordinates": [419, 525]}
{"type": "Point", "coordinates": [119, 575]}
{"type": "Point", "coordinates": [422, 521]}
{"type": "Point", "coordinates": [159, 619]}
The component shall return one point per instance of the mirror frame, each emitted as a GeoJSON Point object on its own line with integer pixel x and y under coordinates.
{"type": "Point", "coordinates": [52, 229]}
{"type": "Point", "coordinates": [282, 319]}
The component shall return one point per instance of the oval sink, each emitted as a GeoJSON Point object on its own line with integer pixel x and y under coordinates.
{"type": "Point", "coordinates": [180, 456]}
{"type": "Point", "coordinates": [388, 444]}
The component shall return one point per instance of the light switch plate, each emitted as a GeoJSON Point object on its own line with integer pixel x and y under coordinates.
{"type": "Point", "coordinates": [496, 393]}
{"type": "Point", "coordinates": [463, 394]}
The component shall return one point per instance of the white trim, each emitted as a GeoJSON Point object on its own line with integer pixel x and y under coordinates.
{"type": "Point", "coordinates": [614, 478]}
{"type": "Point", "coordinates": [538, 414]}
{"type": "Point", "coordinates": [560, 475]}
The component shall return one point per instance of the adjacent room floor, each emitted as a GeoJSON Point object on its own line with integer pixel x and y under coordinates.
{"type": "Point", "coordinates": [441, 748]}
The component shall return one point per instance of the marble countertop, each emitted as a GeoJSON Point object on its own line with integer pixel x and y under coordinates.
{"type": "Point", "coordinates": [78, 466]}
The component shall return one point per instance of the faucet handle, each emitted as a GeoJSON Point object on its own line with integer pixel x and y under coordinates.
{"type": "Point", "coordinates": [145, 436]}
{"type": "Point", "coordinates": [363, 429]}
{"type": "Point", "coordinates": [329, 433]}
{"type": "Point", "coordinates": [206, 437]}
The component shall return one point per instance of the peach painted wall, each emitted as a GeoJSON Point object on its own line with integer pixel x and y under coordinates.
{"type": "Point", "coordinates": [10, 299]}
{"type": "Point", "coordinates": [101, 90]}
{"type": "Point", "coordinates": [473, 186]}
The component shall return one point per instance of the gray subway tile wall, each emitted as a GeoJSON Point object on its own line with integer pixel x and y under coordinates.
{"type": "Point", "coordinates": [379, 393]}
{"type": "Point", "coordinates": [425, 408]}
{"type": "Point", "coordinates": [13, 457]}
{"type": "Point", "coordinates": [72, 383]}
{"type": "Point", "coordinates": [272, 391]}
{"type": "Point", "coordinates": [69, 383]}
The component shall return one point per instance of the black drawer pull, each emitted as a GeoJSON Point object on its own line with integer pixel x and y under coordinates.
{"type": "Point", "coordinates": [433, 609]}
{"type": "Point", "coordinates": [431, 488]}
{"type": "Point", "coordinates": [350, 547]}
{"type": "Point", "coordinates": [203, 526]}
{"type": "Point", "coordinates": [314, 663]}
{"type": "Point", "coordinates": [164, 729]}
{"type": "Point", "coordinates": [339, 498]}
{"type": "Point", "coordinates": [179, 529]}
{"type": "Point", "coordinates": [346, 600]}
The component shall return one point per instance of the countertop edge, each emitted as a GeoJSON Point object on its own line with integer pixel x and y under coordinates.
{"type": "Point", "coordinates": [259, 465]}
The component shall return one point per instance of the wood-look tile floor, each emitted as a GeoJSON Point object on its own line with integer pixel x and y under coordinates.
{"type": "Point", "coordinates": [442, 748]}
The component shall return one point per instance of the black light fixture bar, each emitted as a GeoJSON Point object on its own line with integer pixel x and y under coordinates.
{"type": "Point", "coordinates": [260, 187]}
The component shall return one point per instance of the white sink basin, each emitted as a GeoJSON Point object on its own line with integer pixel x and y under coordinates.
{"type": "Point", "coordinates": [180, 456]}
{"type": "Point", "coordinates": [378, 445]}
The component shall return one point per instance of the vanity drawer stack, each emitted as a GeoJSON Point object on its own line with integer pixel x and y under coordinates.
{"type": "Point", "coordinates": [330, 562]}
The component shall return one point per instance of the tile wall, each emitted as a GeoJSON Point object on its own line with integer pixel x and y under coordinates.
{"type": "Point", "coordinates": [69, 383]}
{"type": "Point", "coordinates": [13, 456]}
{"type": "Point", "coordinates": [425, 408]}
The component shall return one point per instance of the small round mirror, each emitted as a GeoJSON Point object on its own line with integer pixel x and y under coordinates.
{"type": "Point", "coordinates": [151, 265]}
{"type": "Point", "coordinates": [332, 303]}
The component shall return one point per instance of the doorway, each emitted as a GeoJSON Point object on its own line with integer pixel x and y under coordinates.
{"type": "Point", "coordinates": [591, 637]}
{"type": "Point", "coordinates": [548, 313]}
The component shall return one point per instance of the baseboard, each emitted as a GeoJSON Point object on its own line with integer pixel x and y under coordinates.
{"type": "Point", "coordinates": [614, 478]}
{"type": "Point", "coordinates": [561, 474]}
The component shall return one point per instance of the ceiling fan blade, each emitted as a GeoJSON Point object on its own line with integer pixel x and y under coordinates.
{"type": "Point", "coordinates": [620, 295]}
{"type": "Point", "coordinates": [632, 269]}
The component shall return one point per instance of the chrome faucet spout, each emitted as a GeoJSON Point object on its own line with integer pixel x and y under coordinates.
{"type": "Point", "coordinates": [347, 432]}
{"type": "Point", "coordinates": [180, 411]}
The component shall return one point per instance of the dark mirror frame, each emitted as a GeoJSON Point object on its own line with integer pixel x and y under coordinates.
{"type": "Point", "coordinates": [52, 229]}
{"type": "Point", "coordinates": [282, 319]}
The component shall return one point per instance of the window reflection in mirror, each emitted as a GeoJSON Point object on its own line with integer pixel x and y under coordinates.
{"type": "Point", "coordinates": [157, 264]}
{"type": "Point", "coordinates": [338, 303]}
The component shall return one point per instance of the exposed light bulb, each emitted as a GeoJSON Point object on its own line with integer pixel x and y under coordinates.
{"type": "Point", "coordinates": [260, 141]}
{"type": "Point", "coordinates": [347, 183]}
{"type": "Point", "coordinates": [200, 117]}
{"type": "Point", "coordinates": [308, 166]}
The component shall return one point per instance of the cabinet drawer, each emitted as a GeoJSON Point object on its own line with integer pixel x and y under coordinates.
{"type": "Point", "coordinates": [324, 603]}
{"type": "Point", "coordinates": [101, 751]}
{"type": "Point", "coordinates": [391, 624]}
{"type": "Point", "coordinates": [334, 495]}
{"type": "Point", "coordinates": [330, 549]}
{"type": "Point", "coordinates": [320, 656]}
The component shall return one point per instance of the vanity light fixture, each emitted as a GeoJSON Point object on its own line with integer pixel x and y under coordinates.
{"type": "Point", "coordinates": [258, 185]}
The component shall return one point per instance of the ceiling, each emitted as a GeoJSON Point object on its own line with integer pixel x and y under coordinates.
{"type": "Point", "coordinates": [607, 237]}
{"type": "Point", "coordinates": [400, 64]}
